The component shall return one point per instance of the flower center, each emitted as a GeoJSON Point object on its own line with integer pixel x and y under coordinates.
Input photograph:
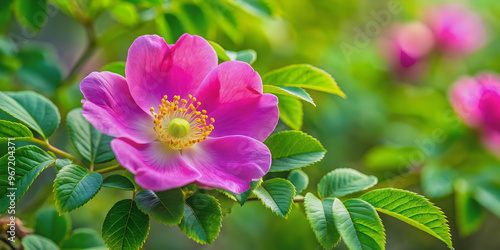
{"type": "Point", "coordinates": [179, 123]}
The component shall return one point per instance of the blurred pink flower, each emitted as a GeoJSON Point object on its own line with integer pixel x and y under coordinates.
{"type": "Point", "coordinates": [405, 46]}
{"type": "Point", "coordinates": [458, 30]}
{"type": "Point", "coordinates": [477, 102]}
{"type": "Point", "coordinates": [180, 118]}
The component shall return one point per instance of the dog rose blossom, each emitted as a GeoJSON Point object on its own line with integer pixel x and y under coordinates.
{"type": "Point", "coordinates": [477, 102]}
{"type": "Point", "coordinates": [457, 29]}
{"type": "Point", "coordinates": [180, 118]}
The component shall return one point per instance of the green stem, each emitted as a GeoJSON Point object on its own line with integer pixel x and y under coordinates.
{"type": "Point", "coordinates": [109, 169]}
{"type": "Point", "coordinates": [53, 149]}
{"type": "Point", "coordinates": [87, 53]}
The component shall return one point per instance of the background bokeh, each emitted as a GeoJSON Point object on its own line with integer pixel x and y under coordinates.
{"type": "Point", "coordinates": [398, 127]}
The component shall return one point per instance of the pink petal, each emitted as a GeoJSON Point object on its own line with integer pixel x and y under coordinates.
{"type": "Point", "coordinates": [229, 163]}
{"type": "Point", "coordinates": [110, 108]}
{"type": "Point", "coordinates": [154, 70]}
{"type": "Point", "coordinates": [253, 117]}
{"type": "Point", "coordinates": [464, 97]}
{"type": "Point", "coordinates": [232, 95]}
{"type": "Point", "coordinates": [229, 82]}
{"type": "Point", "coordinates": [491, 140]}
{"type": "Point", "coordinates": [155, 165]}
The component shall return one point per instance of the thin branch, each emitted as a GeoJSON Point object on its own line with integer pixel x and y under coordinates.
{"type": "Point", "coordinates": [301, 200]}
{"type": "Point", "coordinates": [87, 53]}
{"type": "Point", "coordinates": [53, 149]}
{"type": "Point", "coordinates": [109, 169]}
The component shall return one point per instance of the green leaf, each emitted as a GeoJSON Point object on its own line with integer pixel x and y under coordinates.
{"type": "Point", "coordinates": [290, 111]}
{"type": "Point", "coordinates": [37, 242]}
{"type": "Point", "coordinates": [60, 163]}
{"type": "Point", "coordinates": [277, 194]}
{"type": "Point", "coordinates": [489, 197]}
{"type": "Point", "coordinates": [125, 13]}
{"type": "Point", "coordinates": [74, 186]}
{"type": "Point", "coordinates": [320, 216]}
{"type": "Point", "coordinates": [118, 181]}
{"type": "Point", "coordinates": [5, 12]}
{"type": "Point", "coordinates": [52, 225]}
{"type": "Point", "coordinates": [242, 198]}
{"type": "Point", "coordinates": [223, 14]}
{"type": "Point", "coordinates": [437, 181]}
{"type": "Point", "coordinates": [165, 206]}
{"type": "Point", "coordinates": [289, 91]}
{"type": "Point", "coordinates": [90, 143]}
{"type": "Point", "coordinates": [358, 224]}
{"type": "Point", "coordinates": [125, 226]}
{"type": "Point", "coordinates": [411, 208]}
{"type": "Point", "coordinates": [32, 109]}
{"type": "Point", "coordinates": [40, 69]}
{"type": "Point", "coordinates": [299, 179]}
{"type": "Point", "coordinates": [384, 158]}
{"type": "Point", "coordinates": [292, 150]}
{"type": "Point", "coordinates": [13, 130]}
{"type": "Point", "coordinates": [259, 6]}
{"type": "Point", "coordinates": [29, 162]}
{"type": "Point", "coordinates": [303, 76]}
{"type": "Point", "coordinates": [221, 53]}
{"type": "Point", "coordinates": [470, 215]}
{"type": "Point", "coordinates": [83, 238]}
{"type": "Point", "coordinates": [249, 55]}
{"type": "Point", "coordinates": [344, 181]}
{"type": "Point", "coordinates": [202, 218]}
{"type": "Point", "coordinates": [115, 67]}
{"type": "Point", "coordinates": [32, 14]}
{"type": "Point", "coordinates": [194, 19]}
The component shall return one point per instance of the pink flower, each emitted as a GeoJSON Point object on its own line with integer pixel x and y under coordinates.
{"type": "Point", "coordinates": [180, 118]}
{"type": "Point", "coordinates": [457, 29]}
{"type": "Point", "coordinates": [405, 47]}
{"type": "Point", "coordinates": [477, 102]}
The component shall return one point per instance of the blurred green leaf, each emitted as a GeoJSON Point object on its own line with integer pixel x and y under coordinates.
{"type": "Point", "coordinates": [358, 224]}
{"type": "Point", "coordinates": [265, 7]}
{"type": "Point", "coordinates": [125, 13]}
{"type": "Point", "coordinates": [32, 14]}
{"type": "Point", "coordinates": [437, 181]}
{"type": "Point", "coordinates": [125, 226]}
{"type": "Point", "coordinates": [83, 238]}
{"type": "Point", "coordinates": [221, 53]}
{"type": "Point", "coordinates": [320, 216]}
{"type": "Point", "coordinates": [90, 143]}
{"type": "Point", "coordinates": [277, 194]}
{"type": "Point", "coordinates": [290, 111]}
{"type": "Point", "coordinates": [249, 55]}
{"type": "Point", "coordinates": [13, 130]}
{"type": "Point", "coordinates": [242, 198]}
{"type": "Point", "coordinates": [52, 225]}
{"type": "Point", "coordinates": [384, 158]}
{"type": "Point", "coordinates": [170, 27]}
{"type": "Point", "coordinates": [299, 179]}
{"type": "Point", "coordinates": [344, 181]}
{"type": "Point", "coordinates": [29, 162]}
{"type": "Point", "coordinates": [470, 215]}
{"type": "Point", "coordinates": [5, 12]}
{"type": "Point", "coordinates": [74, 186]}
{"type": "Point", "coordinates": [115, 67]}
{"type": "Point", "coordinates": [411, 208]}
{"type": "Point", "coordinates": [489, 197]}
{"type": "Point", "coordinates": [32, 109]}
{"type": "Point", "coordinates": [292, 150]}
{"type": "Point", "coordinates": [37, 242]}
{"type": "Point", "coordinates": [40, 68]}
{"type": "Point", "coordinates": [222, 13]}
{"type": "Point", "coordinates": [289, 91]}
{"type": "Point", "coordinates": [194, 19]}
{"type": "Point", "coordinates": [165, 206]}
{"type": "Point", "coordinates": [202, 218]}
{"type": "Point", "coordinates": [303, 76]}
{"type": "Point", "coordinates": [118, 181]}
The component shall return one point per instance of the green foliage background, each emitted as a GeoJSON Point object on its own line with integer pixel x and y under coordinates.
{"type": "Point", "coordinates": [406, 133]}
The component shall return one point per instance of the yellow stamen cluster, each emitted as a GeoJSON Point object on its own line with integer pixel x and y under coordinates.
{"type": "Point", "coordinates": [183, 109]}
